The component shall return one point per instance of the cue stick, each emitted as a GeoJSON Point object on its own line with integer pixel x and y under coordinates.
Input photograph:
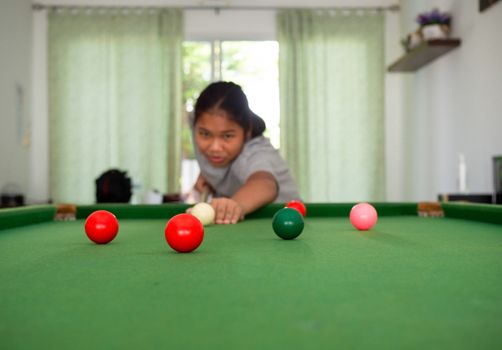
{"type": "Point", "coordinates": [204, 194]}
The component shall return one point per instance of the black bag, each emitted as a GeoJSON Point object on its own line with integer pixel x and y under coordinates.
{"type": "Point", "coordinates": [113, 186]}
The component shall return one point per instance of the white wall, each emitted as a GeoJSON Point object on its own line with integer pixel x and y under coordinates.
{"type": "Point", "coordinates": [453, 105]}
{"type": "Point", "coordinates": [15, 91]}
{"type": "Point", "coordinates": [214, 25]}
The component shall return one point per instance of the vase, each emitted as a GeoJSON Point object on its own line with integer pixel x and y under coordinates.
{"type": "Point", "coordinates": [435, 31]}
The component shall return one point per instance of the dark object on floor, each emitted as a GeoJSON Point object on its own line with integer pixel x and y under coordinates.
{"type": "Point", "coordinates": [12, 196]}
{"type": "Point", "coordinates": [172, 198]}
{"type": "Point", "coordinates": [113, 186]}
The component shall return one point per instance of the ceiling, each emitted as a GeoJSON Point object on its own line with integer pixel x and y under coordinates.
{"type": "Point", "coordinates": [225, 3]}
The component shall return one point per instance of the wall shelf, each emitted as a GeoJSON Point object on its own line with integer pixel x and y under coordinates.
{"type": "Point", "coordinates": [423, 54]}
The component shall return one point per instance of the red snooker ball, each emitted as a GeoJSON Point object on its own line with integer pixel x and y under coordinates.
{"type": "Point", "coordinates": [298, 205]}
{"type": "Point", "coordinates": [363, 216]}
{"type": "Point", "coordinates": [101, 226]}
{"type": "Point", "coordinates": [184, 233]}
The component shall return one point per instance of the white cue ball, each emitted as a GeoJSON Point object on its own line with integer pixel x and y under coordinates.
{"type": "Point", "coordinates": [204, 212]}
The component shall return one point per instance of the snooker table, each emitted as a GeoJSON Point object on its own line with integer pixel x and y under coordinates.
{"type": "Point", "coordinates": [411, 282]}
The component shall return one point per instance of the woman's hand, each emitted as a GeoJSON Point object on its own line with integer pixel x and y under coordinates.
{"type": "Point", "coordinates": [202, 188]}
{"type": "Point", "coordinates": [227, 211]}
{"type": "Point", "coordinates": [201, 185]}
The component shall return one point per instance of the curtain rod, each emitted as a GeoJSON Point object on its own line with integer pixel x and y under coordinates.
{"type": "Point", "coordinates": [392, 8]}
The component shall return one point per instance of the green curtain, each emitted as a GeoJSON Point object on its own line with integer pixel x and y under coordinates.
{"type": "Point", "coordinates": [114, 98]}
{"type": "Point", "coordinates": [331, 73]}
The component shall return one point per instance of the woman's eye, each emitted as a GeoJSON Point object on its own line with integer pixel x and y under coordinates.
{"type": "Point", "coordinates": [228, 136]}
{"type": "Point", "coordinates": [203, 133]}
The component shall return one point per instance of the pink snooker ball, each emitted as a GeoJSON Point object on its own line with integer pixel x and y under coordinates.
{"type": "Point", "coordinates": [363, 216]}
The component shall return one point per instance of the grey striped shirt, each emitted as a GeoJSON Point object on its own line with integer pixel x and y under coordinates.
{"type": "Point", "coordinates": [258, 154]}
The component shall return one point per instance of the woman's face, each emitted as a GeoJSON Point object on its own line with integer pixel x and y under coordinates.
{"type": "Point", "coordinates": [218, 137]}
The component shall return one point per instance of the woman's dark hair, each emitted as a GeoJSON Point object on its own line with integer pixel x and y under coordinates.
{"type": "Point", "coordinates": [230, 98]}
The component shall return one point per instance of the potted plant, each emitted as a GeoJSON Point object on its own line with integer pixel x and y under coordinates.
{"type": "Point", "coordinates": [434, 24]}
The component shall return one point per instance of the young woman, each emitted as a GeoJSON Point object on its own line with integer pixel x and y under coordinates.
{"type": "Point", "coordinates": [238, 165]}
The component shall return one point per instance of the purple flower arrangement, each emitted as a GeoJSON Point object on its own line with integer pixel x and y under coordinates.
{"type": "Point", "coordinates": [434, 17]}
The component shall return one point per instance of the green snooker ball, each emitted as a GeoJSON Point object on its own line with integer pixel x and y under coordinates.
{"type": "Point", "coordinates": [287, 223]}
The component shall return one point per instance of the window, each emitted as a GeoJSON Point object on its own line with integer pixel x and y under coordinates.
{"type": "Point", "coordinates": [251, 64]}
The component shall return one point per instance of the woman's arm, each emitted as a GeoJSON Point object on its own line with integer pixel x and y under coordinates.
{"type": "Point", "coordinates": [259, 190]}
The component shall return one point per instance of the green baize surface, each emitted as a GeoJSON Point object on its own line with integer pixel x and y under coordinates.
{"type": "Point", "coordinates": [411, 283]}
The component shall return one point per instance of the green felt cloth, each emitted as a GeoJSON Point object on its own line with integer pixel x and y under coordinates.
{"type": "Point", "coordinates": [410, 283]}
